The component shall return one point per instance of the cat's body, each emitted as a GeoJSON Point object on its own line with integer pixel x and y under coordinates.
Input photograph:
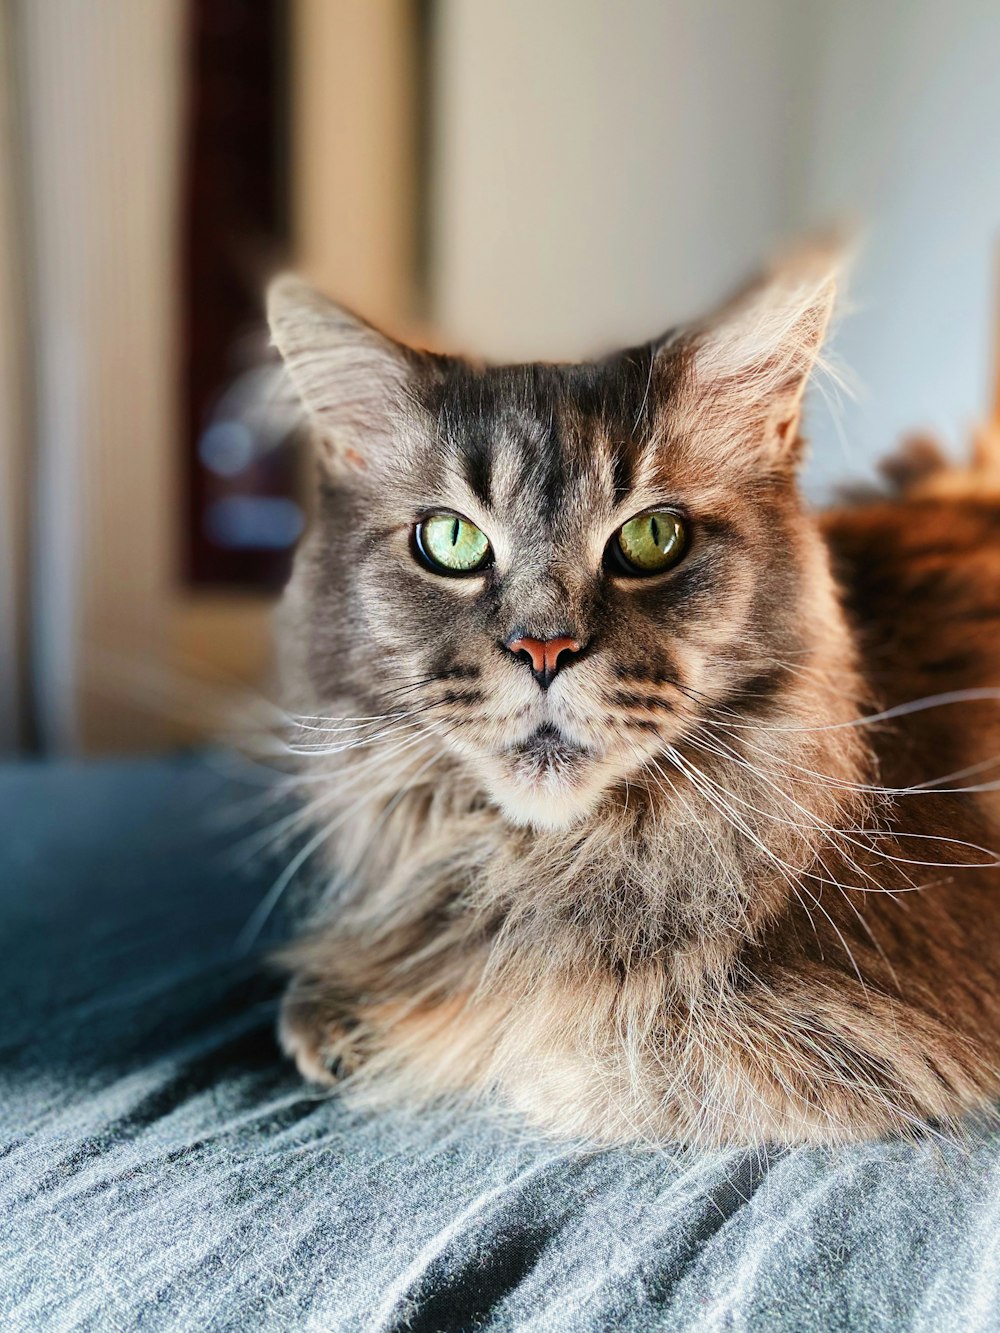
{"type": "Point", "coordinates": [669, 890]}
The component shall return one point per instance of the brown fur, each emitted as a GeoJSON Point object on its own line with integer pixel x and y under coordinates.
{"type": "Point", "coordinates": [735, 915]}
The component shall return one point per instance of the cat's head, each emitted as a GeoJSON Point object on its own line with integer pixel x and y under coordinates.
{"type": "Point", "coordinates": [560, 570]}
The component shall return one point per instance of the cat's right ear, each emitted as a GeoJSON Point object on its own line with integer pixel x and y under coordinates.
{"type": "Point", "coordinates": [351, 378]}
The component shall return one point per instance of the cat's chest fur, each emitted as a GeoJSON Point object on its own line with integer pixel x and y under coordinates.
{"type": "Point", "coordinates": [613, 981]}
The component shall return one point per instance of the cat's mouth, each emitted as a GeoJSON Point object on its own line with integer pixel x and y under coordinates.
{"type": "Point", "coordinates": [546, 752]}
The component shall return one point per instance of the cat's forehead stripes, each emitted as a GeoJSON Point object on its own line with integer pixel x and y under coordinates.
{"type": "Point", "coordinates": [533, 435]}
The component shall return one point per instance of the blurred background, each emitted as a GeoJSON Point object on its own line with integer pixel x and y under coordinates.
{"type": "Point", "coordinates": [527, 178]}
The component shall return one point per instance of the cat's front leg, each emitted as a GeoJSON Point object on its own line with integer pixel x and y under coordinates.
{"type": "Point", "coordinates": [318, 1031]}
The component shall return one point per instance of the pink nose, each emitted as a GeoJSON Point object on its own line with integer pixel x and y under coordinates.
{"type": "Point", "coordinates": [545, 654]}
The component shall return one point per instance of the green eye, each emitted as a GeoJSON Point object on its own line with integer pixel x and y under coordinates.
{"type": "Point", "coordinates": [451, 544]}
{"type": "Point", "coordinates": [649, 543]}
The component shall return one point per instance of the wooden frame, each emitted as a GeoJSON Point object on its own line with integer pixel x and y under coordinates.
{"type": "Point", "coordinates": [353, 193]}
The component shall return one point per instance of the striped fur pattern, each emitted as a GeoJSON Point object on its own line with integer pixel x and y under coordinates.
{"type": "Point", "coordinates": [725, 901]}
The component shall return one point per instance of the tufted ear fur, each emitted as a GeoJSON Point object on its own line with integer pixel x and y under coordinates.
{"type": "Point", "coordinates": [351, 378]}
{"type": "Point", "coordinates": [749, 363]}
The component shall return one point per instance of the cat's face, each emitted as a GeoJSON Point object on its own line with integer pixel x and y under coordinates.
{"type": "Point", "coordinates": [556, 570]}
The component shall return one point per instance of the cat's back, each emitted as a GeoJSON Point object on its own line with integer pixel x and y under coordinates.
{"type": "Point", "coordinates": [920, 578]}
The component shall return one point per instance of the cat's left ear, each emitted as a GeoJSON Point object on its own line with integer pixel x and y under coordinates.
{"type": "Point", "coordinates": [351, 378]}
{"type": "Point", "coordinates": [749, 364]}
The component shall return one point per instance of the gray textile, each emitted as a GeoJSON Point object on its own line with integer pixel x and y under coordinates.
{"type": "Point", "coordinates": [161, 1168]}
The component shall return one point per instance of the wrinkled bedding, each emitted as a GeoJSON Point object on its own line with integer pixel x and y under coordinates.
{"type": "Point", "coordinates": [162, 1168]}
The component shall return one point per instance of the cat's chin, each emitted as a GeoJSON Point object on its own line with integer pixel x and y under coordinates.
{"type": "Point", "coordinates": [546, 780]}
{"type": "Point", "coordinates": [550, 800]}
{"type": "Point", "coordinates": [549, 808]}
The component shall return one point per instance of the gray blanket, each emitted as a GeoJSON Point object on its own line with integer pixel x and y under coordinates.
{"type": "Point", "coordinates": [162, 1168]}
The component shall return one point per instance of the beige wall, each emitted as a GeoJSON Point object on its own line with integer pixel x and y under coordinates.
{"type": "Point", "coordinates": [354, 147]}
{"type": "Point", "coordinates": [605, 168]}
{"type": "Point", "coordinates": [904, 116]}
{"type": "Point", "coordinates": [100, 88]}
{"type": "Point", "coordinates": [14, 457]}
{"type": "Point", "coordinates": [602, 168]}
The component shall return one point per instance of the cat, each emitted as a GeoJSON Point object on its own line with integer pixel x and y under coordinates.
{"type": "Point", "coordinates": [631, 825]}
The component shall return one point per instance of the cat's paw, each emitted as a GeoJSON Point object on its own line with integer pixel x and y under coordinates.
{"type": "Point", "coordinates": [315, 1032]}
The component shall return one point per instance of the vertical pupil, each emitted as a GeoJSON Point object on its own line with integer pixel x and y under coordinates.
{"type": "Point", "coordinates": [454, 532]}
{"type": "Point", "coordinates": [654, 528]}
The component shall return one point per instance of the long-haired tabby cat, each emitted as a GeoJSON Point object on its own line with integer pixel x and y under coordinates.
{"type": "Point", "coordinates": [634, 823]}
